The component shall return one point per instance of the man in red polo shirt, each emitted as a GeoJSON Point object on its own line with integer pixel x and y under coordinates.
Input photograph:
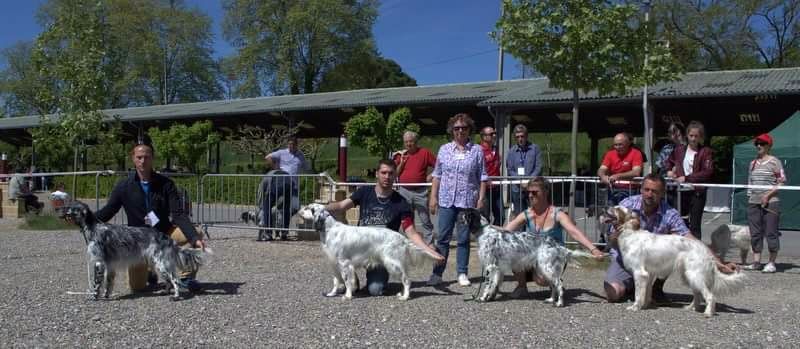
{"type": "Point", "coordinates": [413, 164]}
{"type": "Point", "coordinates": [623, 162]}
{"type": "Point", "coordinates": [491, 156]}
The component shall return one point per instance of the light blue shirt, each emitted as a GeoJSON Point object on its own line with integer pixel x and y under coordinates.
{"type": "Point", "coordinates": [292, 163]}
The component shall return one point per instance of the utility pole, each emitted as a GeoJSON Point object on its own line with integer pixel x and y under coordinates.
{"type": "Point", "coordinates": [500, 50]}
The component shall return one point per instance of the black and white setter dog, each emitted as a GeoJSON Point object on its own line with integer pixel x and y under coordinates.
{"type": "Point", "coordinates": [112, 247]}
{"type": "Point", "coordinates": [519, 252]}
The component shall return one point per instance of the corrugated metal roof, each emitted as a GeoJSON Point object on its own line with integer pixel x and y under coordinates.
{"type": "Point", "coordinates": [498, 93]}
{"type": "Point", "coordinates": [471, 93]}
{"type": "Point", "coordinates": [689, 85]}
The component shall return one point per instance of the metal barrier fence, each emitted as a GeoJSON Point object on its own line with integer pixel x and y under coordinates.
{"type": "Point", "coordinates": [94, 187]}
{"type": "Point", "coordinates": [259, 202]}
{"type": "Point", "coordinates": [240, 200]}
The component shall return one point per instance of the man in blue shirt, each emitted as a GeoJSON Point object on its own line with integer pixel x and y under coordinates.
{"type": "Point", "coordinates": [524, 159]}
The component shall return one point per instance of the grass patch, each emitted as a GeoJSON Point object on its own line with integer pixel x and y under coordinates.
{"type": "Point", "coordinates": [44, 222]}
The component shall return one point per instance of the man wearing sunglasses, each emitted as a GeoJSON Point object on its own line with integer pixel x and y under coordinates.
{"type": "Point", "coordinates": [493, 208]}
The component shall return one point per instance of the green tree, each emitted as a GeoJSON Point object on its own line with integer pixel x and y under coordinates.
{"type": "Point", "coordinates": [584, 45]}
{"type": "Point", "coordinates": [365, 70]}
{"type": "Point", "coordinates": [20, 82]}
{"type": "Point", "coordinates": [285, 47]}
{"type": "Point", "coordinates": [186, 144]}
{"type": "Point", "coordinates": [70, 52]}
{"type": "Point", "coordinates": [378, 134]}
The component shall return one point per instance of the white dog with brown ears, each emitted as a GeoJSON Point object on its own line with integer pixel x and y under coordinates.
{"type": "Point", "coordinates": [651, 256]}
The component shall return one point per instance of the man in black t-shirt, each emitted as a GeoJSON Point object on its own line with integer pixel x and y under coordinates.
{"type": "Point", "coordinates": [382, 206]}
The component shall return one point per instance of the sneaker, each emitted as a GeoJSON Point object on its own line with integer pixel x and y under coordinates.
{"type": "Point", "coordinates": [769, 268]}
{"type": "Point", "coordinates": [519, 292]}
{"type": "Point", "coordinates": [463, 280]}
{"type": "Point", "coordinates": [754, 266]}
{"type": "Point", "coordinates": [434, 280]}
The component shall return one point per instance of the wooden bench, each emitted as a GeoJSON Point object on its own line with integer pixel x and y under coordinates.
{"type": "Point", "coordinates": [10, 208]}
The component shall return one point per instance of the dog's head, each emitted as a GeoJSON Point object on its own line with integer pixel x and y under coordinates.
{"type": "Point", "coordinates": [619, 215]}
{"type": "Point", "coordinates": [315, 213]}
{"type": "Point", "coordinates": [249, 216]}
{"type": "Point", "coordinates": [473, 220]}
{"type": "Point", "coordinates": [77, 213]}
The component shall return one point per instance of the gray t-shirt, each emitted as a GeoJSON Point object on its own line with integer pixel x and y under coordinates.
{"type": "Point", "coordinates": [768, 171]}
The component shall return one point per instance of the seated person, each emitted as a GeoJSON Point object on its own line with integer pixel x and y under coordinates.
{"type": "Point", "coordinates": [19, 189]}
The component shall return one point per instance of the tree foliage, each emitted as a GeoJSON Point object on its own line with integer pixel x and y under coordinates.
{"type": "Point", "coordinates": [259, 141]}
{"type": "Point", "coordinates": [185, 144]}
{"type": "Point", "coordinates": [365, 70]}
{"type": "Point", "coordinates": [285, 47]}
{"type": "Point", "coordinates": [732, 34]}
{"type": "Point", "coordinates": [378, 134]}
{"type": "Point", "coordinates": [584, 45]}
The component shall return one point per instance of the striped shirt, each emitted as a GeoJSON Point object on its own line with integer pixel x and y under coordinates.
{"type": "Point", "coordinates": [666, 220]}
{"type": "Point", "coordinates": [768, 171]}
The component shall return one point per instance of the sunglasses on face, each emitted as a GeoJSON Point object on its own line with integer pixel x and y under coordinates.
{"type": "Point", "coordinates": [533, 192]}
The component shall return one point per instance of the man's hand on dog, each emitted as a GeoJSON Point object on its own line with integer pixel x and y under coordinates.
{"type": "Point", "coordinates": [201, 244]}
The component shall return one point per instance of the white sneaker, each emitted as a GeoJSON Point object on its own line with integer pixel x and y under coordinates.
{"type": "Point", "coordinates": [769, 268]}
{"type": "Point", "coordinates": [463, 280]}
{"type": "Point", "coordinates": [434, 280]}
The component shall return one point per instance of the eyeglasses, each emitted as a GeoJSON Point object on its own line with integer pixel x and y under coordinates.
{"type": "Point", "coordinates": [460, 128]}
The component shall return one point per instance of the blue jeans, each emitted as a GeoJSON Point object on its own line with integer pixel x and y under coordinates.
{"type": "Point", "coordinates": [519, 200]}
{"type": "Point", "coordinates": [377, 280]}
{"type": "Point", "coordinates": [493, 206]}
{"type": "Point", "coordinates": [447, 223]}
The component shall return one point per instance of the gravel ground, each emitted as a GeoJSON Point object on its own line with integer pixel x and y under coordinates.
{"type": "Point", "coordinates": [269, 295]}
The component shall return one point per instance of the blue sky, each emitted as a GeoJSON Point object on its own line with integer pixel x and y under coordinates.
{"type": "Point", "coordinates": [435, 41]}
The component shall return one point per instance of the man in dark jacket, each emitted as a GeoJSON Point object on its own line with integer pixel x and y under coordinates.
{"type": "Point", "coordinates": [152, 200]}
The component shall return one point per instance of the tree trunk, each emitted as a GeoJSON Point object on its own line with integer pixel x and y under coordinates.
{"type": "Point", "coordinates": [74, 175]}
{"type": "Point", "coordinates": [573, 161]}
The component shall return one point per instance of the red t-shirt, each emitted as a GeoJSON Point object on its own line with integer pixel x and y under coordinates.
{"type": "Point", "coordinates": [626, 163]}
{"type": "Point", "coordinates": [416, 168]}
{"type": "Point", "coordinates": [492, 159]}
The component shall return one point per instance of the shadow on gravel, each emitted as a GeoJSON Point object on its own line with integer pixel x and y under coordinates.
{"type": "Point", "coordinates": [570, 296]}
{"type": "Point", "coordinates": [682, 300]}
{"type": "Point", "coordinates": [786, 267]}
{"type": "Point", "coordinates": [219, 288]}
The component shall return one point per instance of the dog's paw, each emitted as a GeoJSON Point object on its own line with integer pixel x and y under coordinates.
{"type": "Point", "coordinates": [634, 307]}
{"type": "Point", "coordinates": [559, 304]}
{"type": "Point", "coordinates": [174, 298]}
{"type": "Point", "coordinates": [347, 297]}
{"type": "Point", "coordinates": [402, 297]}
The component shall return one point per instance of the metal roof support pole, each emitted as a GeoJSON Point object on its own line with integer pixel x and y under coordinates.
{"type": "Point", "coordinates": [502, 125]}
{"type": "Point", "coordinates": [649, 117]}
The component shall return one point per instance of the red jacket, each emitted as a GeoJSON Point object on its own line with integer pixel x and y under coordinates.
{"type": "Point", "coordinates": [702, 169]}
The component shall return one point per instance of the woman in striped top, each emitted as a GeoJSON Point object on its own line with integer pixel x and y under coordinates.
{"type": "Point", "coordinates": [763, 210]}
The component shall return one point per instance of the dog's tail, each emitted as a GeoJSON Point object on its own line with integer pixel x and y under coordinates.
{"type": "Point", "coordinates": [418, 255]}
{"type": "Point", "coordinates": [192, 259]}
{"type": "Point", "coordinates": [728, 284]}
{"type": "Point", "coordinates": [578, 255]}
